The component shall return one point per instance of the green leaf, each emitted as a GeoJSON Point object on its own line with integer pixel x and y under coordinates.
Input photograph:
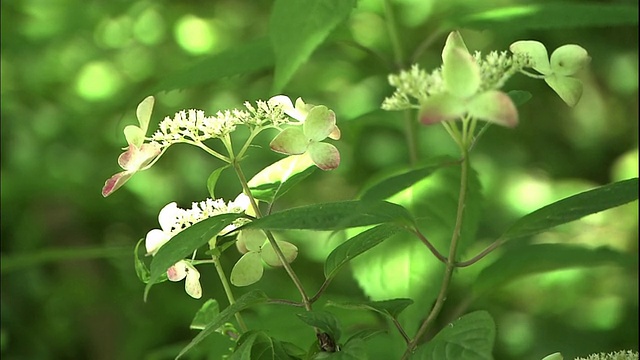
{"type": "Point", "coordinates": [247, 300]}
{"type": "Point", "coordinates": [237, 60]}
{"type": "Point", "coordinates": [470, 337]}
{"type": "Point", "coordinates": [389, 308]}
{"type": "Point", "coordinates": [333, 216]}
{"type": "Point", "coordinates": [213, 179]}
{"type": "Point", "coordinates": [276, 179]}
{"type": "Point", "coordinates": [384, 188]}
{"type": "Point", "coordinates": [519, 97]}
{"type": "Point", "coordinates": [538, 258]}
{"type": "Point", "coordinates": [551, 16]}
{"type": "Point", "coordinates": [356, 246]}
{"type": "Point", "coordinates": [573, 208]}
{"type": "Point", "coordinates": [142, 270]}
{"type": "Point", "coordinates": [257, 345]}
{"type": "Point", "coordinates": [297, 28]}
{"type": "Point", "coordinates": [208, 311]}
{"type": "Point", "coordinates": [324, 321]}
{"type": "Point", "coordinates": [185, 243]}
{"type": "Point", "coordinates": [353, 350]}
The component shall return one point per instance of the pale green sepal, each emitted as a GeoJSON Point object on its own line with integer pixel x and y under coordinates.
{"type": "Point", "coordinates": [569, 89]}
{"type": "Point", "coordinates": [325, 156]}
{"type": "Point", "coordinates": [569, 59]}
{"type": "Point", "coordinates": [290, 141]}
{"type": "Point", "coordinates": [319, 123]}
{"type": "Point", "coordinates": [143, 113]}
{"type": "Point", "coordinates": [460, 73]}
{"type": "Point", "coordinates": [248, 270]}
{"type": "Point", "coordinates": [494, 106]}
{"type": "Point", "coordinates": [536, 51]}
{"type": "Point", "coordinates": [269, 256]}
{"type": "Point", "coordinates": [441, 107]}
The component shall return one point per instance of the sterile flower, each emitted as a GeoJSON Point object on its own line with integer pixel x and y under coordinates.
{"type": "Point", "coordinates": [185, 270]}
{"type": "Point", "coordinates": [167, 218]}
{"type": "Point", "coordinates": [565, 61]}
{"type": "Point", "coordinates": [299, 111]}
{"type": "Point", "coordinates": [463, 94]}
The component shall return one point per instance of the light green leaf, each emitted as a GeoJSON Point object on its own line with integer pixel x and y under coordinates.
{"type": "Point", "coordinates": [539, 258]}
{"type": "Point", "coordinates": [247, 300]}
{"type": "Point", "coordinates": [323, 320]}
{"type": "Point", "coordinates": [384, 188]}
{"type": "Point", "coordinates": [208, 311]}
{"type": "Point", "coordinates": [213, 179]}
{"type": "Point", "coordinates": [554, 356]}
{"type": "Point", "coordinates": [143, 113]}
{"type": "Point", "coordinates": [297, 28]}
{"type": "Point", "coordinates": [333, 216]}
{"type": "Point", "coordinates": [471, 337]}
{"type": "Point", "coordinates": [356, 246]}
{"type": "Point", "coordinates": [276, 179]}
{"type": "Point", "coordinates": [248, 270]}
{"type": "Point", "coordinates": [573, 208]}
{"type": "Point", "coordinates": [185, 243]}
{"type": "Point", "coordinates": [389, 308]}
{"type": "Point", "coordinates": [269, 256]}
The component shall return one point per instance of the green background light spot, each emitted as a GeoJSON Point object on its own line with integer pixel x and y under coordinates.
{"type": "Point", "coordinates": [98, 80]}
{"type": "Point", "coordinates": [149, 28]}
{"type": "Point", "coordinates": [195, 35]}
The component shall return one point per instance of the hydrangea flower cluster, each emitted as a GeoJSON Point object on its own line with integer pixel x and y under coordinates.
{"type": "Point", "coordinates": [173, 220]}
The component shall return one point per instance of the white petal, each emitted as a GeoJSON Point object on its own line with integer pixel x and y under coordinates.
{"type": "Point", "coordinates": [167, 217]}
{"type": "Point", "coordinates": [178, 271]}
{"type": "Point", "coordinates": [240, 204]}
{"type": "Point", "coordinates": [154, 240]}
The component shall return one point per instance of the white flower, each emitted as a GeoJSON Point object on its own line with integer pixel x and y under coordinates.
{"type": "Point", "coordinates": [183, 269]}
{"type": "Point", "coordinates": [167, 219]}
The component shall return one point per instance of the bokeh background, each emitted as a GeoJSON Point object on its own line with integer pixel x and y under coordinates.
{"type": "Point", "coordinates": [73, 72]}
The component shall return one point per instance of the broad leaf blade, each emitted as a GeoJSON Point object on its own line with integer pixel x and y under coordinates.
{"type": "Point", "coordinates": [247, 300]}
{"type": "Point", "coordinates": [208, 311]}
{"type": "Point", "coordinates": [297, 28]}
{"type": "Point", "coordinates": [389, 308]}
{"type": "Point", "coordinates": [185, 243]}
{"type": "Point", "coordinates": [238, 60]}
{"type": "Point", "coordinates": [385, 188]}
{"type": "Point", "coordinates": [470, 337]}
{"type": "Point", "coordinates": [334, 216]}
{"type": "Point", "coordinates": [324, 321]}
{"type": "Point", "coordinates": [573, 208]}
{"type": "Point", "coordinates": [538, 258]}
{"type": "Point", "coordinates": [212, 180]}
{"type": "Point", "coordinates": [356, 246]}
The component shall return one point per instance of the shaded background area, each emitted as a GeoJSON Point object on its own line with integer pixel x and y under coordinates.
{"type": "Point", "coordinates": [73, 72]}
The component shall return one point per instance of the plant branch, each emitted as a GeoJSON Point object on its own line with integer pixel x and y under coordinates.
{"type": "Point", "coordinates": [481, 255]}
{"type": "Point", "coordinates": [228, 292]}
{"type": "Point", "coordinates": [432, 248]}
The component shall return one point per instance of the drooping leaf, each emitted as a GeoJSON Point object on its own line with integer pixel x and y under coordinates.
{"type": "Point", "coordinates": [208, 311]}
{"type": "Point", "coordinates": [257, 345]}
{"type": "Point", "coordinates": [573, 208]}
{"type": "Point", "coordinates": [276, 179]}
{"type": "Point", "coordinates": [538, 258]}
{"type": "Point", "coordinates": [247, 300]}
{"type": "Point", "coordinates": [297, 28]}
{"type": "Point", "coordinates": [185, 243]}
{"type": "Point", "coordinates": [333, 216]}
{"type": "Point", "coordinates": [356, 246]}
{"type": "Point", "coordinates": [551, 16]}
{"type": "Point", "coordinates": [324, 321]}
{"type": "Point", "coordinates": [471, 337]}
{"type": "Point", "coordinates": [389, 308]}
{"type": "Point", "coordinates": [242, 59]}
{"type": "Point", "coordinates": [212, 180]}
{"type": "Point", "coordinates": [384, 188]}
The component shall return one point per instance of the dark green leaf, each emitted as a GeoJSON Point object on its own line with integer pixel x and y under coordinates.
{"type": "Point", "coordinates": [470, 337]}
{"type": "Point", "coordinates": [213, 179]}
{"type": "Point", "coordinates": [353, 350]}
{"type": "Point", "coordinates": [297, 28]}
{"type": "Point", "coordinates": [573, 208]}
{"type": "Point", "coordinates": [538, 258]}
{"type": "Point", "coordinates": [519, 97]}
{"type": "Point", "coordinates": [550, 16]}
{"type": "Point", "coordinates": [257, 345]}
{"type": "Point", "coordinates": [324, 321]}
{"type": "Point", "coordinates": [356, 246]}
{"type": "Point", "coordinates": [208, 311]}
{"type": "Point", "coordinates": [365, 334]}
{"type": "Point", "coordinates": [185, 243]}
{"type": "Point", "coordinates": [142, 270]}
{"type": "Point", "coordinates": [390, 308]}
{"type": "Point", "coordinates": [391, 185]}
{"type": "Point", "coordinates": [237, 60]}
{"type": "Point", "coordinates": [334, 216]}
{"type": "Point", "coordinates": [247, 300]}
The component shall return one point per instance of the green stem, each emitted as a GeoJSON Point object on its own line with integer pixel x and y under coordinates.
{"type": "Point", "coordinates": [411, 131]}
{"type": "Point", "coordinates": [394, 37]}
{"type": "Point", "coordinates": [451, 264]}
{"type": "Point", "coordinates": [228, 292]}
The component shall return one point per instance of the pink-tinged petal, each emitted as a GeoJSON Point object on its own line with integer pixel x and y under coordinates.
{"type": "Point", "coordinates": [143, 113]}
{"type": "Point", "coordinates": [536, 51]}
{"type": "Point", "coordinates": [569, 89]}
{"type": "Point", "coordinates": [319, 123]}
{"type": "Point", "coordinates": [290, 141]}
{"type": "Point", "coordinates": [178, 271]}
{"type": "Point", "coordinates": [154, 240]}
{"type": "Point", "coordinates": [494, 106]}
{"type": "Point", "coordinates": [335, 133]}
{"type": "Point", "coordinates": [454, 41]}
{"type": "Point", "coordinates": [115, 182]}
{"type": "Point", "coordinates": [460, 73]}
{"type": "Point", "coordinates": [192, 283]}
{"type": "Point", "coordinates": [441, 107]}
{"type": "Point", "coordinates": [569, 59]}
{"type": "Point", "coordinates": [168, 216]}
{"type": "Point", "coordinates": [325, 156]}
{"type": "Point", "coordinates": [134, 135]}
{"type": "Point", "coordinates": [135, 158]}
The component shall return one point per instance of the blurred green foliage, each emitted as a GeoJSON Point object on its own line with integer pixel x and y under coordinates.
{"type": "Point", "coordinates": [73, 71]}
